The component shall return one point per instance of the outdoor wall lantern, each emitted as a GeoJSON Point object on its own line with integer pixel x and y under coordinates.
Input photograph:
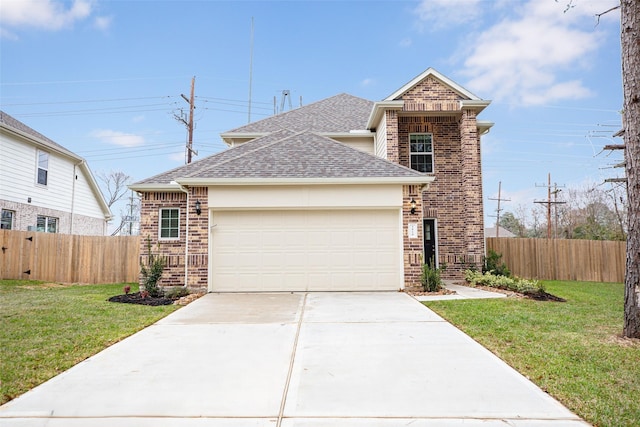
{"type": "Point", "coordinates": [413, 205]}
{"type": "Point", "coordinates": [198, 207]}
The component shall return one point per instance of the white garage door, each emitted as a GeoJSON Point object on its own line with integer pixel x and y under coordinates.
{"type": "Point", "coordinates": [306, 250]}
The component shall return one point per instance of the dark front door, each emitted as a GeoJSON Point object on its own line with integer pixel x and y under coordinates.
{"type": "Point", "coordinates": [430, 242]}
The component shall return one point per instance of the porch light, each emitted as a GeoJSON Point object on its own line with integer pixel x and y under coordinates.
{"type": "Point", "coordinates": [413, 205]}
{"type": "Point", "coordinates": [198, 207]}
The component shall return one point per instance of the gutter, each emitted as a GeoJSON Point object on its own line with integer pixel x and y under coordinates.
{"type": "Point", "coordinates": [186, 234]}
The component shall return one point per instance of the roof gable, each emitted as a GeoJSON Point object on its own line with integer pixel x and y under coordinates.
{"type": "Point", "coordinates": [432, 73]}
{"type": "Point", "coordinates": [339, 113]}
{"type": "Point", "coordinates": [9, 122]}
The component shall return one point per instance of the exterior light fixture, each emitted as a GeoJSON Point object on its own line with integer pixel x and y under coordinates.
{"type": "Point", "coordinates": [413, 205]}
{"type": "Point", "coordinates": [198, 207]}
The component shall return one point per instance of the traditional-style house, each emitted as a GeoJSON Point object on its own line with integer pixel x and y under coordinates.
{"type": "Point", "coordinates": [45, 187]}
{"type": "Point", "coordinates": [341, 194]}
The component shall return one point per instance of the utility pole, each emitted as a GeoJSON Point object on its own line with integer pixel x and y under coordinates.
{"type": "Point", "coordinates": [250, 71]}
{"type": "Point", "coordinates": [499, 199]}
{"type": "Point", "coordinates": [189, 121]}
{"type": "Point", "coordinates": [550, 202]}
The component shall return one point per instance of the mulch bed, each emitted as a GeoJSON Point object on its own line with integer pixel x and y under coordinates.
{"type": "Point", "coordinates": [136, 298]}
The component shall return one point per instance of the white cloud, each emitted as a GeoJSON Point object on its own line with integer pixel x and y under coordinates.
{"type": "Point", "coordinates": [535, 55]}
{"type": "Point", "coordinates": [436, 14]}
{"type": "Point", "coordinates": [177, 157]}
{"type": "Point", "coordinates": [367, 82]}
{"type": "Point", "coordinates": [138, 119]}
{"type": "Point", "coordinates": [118, 138]}
{"type": "Point", "coordinates": [43, 14]}
{"type": "Point", "coordinates": [102, 23]}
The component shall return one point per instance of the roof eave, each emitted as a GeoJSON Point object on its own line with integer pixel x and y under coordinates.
{"type": "Point", "coordinates": [379, 109]}
{"type": "Point", "coordinates": [40, 142]}
{"type": "Point", "coordinates": [145, 188]}
{"type": "Point", "coordinates": [478, 105]}
{"type": "Point", "coordinates": [206, 182]}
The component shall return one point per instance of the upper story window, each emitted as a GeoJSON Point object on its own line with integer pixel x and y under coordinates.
{"type": "Point", "coordinates": [170, 223]}
{"type": "Point", "coordinates": [7, 219]}
{"type": "Point", "coordinates": [421, 146]}
{"type": "Point", "coordinates": [43, 167]}
{"type": "Point", "coordinates": [48, 224]}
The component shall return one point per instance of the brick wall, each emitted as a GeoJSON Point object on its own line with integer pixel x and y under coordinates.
{"type": "Point", "coordinates": [174, 250]}
{"type": "Point", "coordinates": [454, 200]}
{"type": "Point", "coordinates": [412, 247]}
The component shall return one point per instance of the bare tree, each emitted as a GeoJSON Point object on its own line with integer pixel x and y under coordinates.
{"type": "Point", "coordinates": [630, 42]}
{"type": "Point", "coordinates": [115, 185]}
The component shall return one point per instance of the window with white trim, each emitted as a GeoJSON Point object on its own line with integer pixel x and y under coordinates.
{"type": "Point", "coordinates": [47, 224]}
{"type": "Point", "coordinates": [7, 219]}
{"type": "Point", "coordinates": [43, 167]}
{"type": "Point", "coordinates": [169, 223]}
{"type": "Point", "coordinates": [421, 152]}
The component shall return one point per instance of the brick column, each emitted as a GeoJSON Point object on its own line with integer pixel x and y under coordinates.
{"type": "Point", "coordinates": [198, 240]}
{"type": "Point", "coordinates": [412, 246]}
{"type": "Point", "coordinates": [393, 152]}
{"type": "Point", "coordinates": [472, 188]}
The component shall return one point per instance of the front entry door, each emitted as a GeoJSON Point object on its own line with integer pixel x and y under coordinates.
{"type": "Point", "coordinates": [430, 242]}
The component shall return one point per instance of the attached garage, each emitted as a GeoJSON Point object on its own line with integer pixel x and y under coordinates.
{"type": "Point", "coordinates": [306, 250]}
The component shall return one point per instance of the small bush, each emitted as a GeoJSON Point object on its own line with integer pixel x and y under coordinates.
{"type": "Point", "coordinates": [152, 272]}
{"type": "Point", "coordinates": [431, 280]}
{"type": "Point", "coordinates": [514, 284]}
{"type": "Point", "coordinates": [176, 292]}
{"type": "Point", "coordinates": [493, 263]}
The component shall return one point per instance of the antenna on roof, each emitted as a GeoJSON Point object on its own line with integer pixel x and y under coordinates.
{"type": "Point", "coordinates": [250, 69]}
{"type": "Point", "coordinates": [285, 94]}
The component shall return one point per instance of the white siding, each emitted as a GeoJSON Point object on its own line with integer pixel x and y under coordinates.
{"type": "Point", "coordinates": [381, 138]}
{"type": "Point", "coordinates": [18, 171]}
{"type": "Point", "coordinates": [364, 143]}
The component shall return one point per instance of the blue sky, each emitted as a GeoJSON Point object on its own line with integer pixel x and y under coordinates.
{"type": "Point", "coordinates": [104, 78]}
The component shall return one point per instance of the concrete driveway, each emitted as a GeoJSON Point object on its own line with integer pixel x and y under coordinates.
{"type": "Point", "coordinates": [292, 359]}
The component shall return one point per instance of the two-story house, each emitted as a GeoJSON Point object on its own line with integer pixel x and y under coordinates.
{"type": "Point", "coordinates": [45, 187]}
{"type": "Point", "coordinates": [341, 194]}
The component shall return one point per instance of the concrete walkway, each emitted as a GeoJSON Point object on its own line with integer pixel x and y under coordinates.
{"type": "Point", "coordinates": [307, 360]}
{"type": "Point", "coordinates": [461, 292]}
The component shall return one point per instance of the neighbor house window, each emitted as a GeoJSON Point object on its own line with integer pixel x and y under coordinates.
{"type": "Point", "coordinates": [7, 219]}
{"type": "Point", "coordinates": [169, 223]}
{"type": "Point", "coordinates": [421, 145]}
{"type": "Point", "coordinates": [43, 167]}
{"type": "Point", "coordinates": [47, 224]}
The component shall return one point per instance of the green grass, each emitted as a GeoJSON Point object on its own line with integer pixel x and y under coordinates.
{"type": "Point", "coordinates": [45, 329]}
{"type": "Point", "coordinates": [572, 350]}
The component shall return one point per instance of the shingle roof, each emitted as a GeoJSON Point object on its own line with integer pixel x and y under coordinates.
{"type": "Point", "coordinates": [10, 122]}
{"type": "Point", "coordinates": [285, 154]}
{"type": "Point", "coordinates": [339, 113]}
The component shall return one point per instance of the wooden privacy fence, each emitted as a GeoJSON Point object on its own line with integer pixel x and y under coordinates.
{"type": "Point", "coordinates": [68, 258]}
{"type": "Point", "coordinates": [562, 259]}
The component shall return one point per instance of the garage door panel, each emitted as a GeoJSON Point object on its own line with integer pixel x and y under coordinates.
{"type": "Point", "coordinates": [306, 250]}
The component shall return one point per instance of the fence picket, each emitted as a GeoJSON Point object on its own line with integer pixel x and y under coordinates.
{"type": "Point", "coordinates": [562, 259]}
{"type": "Point", "coordinates": [69, 258]}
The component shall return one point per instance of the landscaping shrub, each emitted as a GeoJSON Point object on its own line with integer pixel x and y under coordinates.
{"type": "Point", "coordinates": [431, 280]}
{"type": "Point", "coordinates": [152, 272]}
{"type": "Point", "coordinates": [514, 284]}
{"type": "Point", "coordinates": [176, 292]}
{"type": "Point", "coordinates": [493, 263]}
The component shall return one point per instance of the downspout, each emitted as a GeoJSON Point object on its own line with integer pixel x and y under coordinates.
{"type": "Point", "coordinates": [73, 194]}
{"type": "Point", "coordinates": [186, 235]}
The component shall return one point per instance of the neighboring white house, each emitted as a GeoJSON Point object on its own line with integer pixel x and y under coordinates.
{"type": "Point", "coordinates": [45, 187]}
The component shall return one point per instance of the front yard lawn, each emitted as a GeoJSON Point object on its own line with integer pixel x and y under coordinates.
{"type": "Point", "coordinates": [47, 328]}
{"type": "Point", "coordinates": [572, 350]}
